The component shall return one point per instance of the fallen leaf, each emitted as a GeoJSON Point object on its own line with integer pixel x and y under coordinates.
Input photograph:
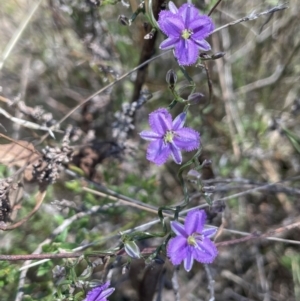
{"type": "Point", "coordinates": [20, 154]}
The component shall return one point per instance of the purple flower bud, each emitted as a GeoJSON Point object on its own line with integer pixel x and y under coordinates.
{"type": "Point", "coordinates": [171, 77]}
{"type": "Point", "coordinates": [132, 249]}
{"type": "Point", "coordinates": [196, 98]}
{"type": "Point", "coordinates": [218, 206]}
{"type": "Point", "coordinates": [194, 174]}
{"type": "Point", "coordinates": [206, 163]}
{"type": "Point", "coordinates": [123, 20]}
{"type": "Point", "coordinates": [218, 55]}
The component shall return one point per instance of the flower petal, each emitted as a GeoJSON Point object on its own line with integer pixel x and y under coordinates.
{"type": "Point", "coordinates": [172, 7]}
{"type": "Point", "coordinates": [195, 221]}
{"type": "Point", "coordinates": [187, 139]}
{"type": "Point", "coordinates": [179, 121]}
{"type": "Point", "coordinates": [202, 44]}
{"type": "Point", "coordinates": [202, 26]}
{"type": "Point", "coordinates": [99, 293]}
{"type": "Point", "coordinates": [160, 121]}
{"type": "Point", "coordinates": [209, 232]}
{"type": "Point", "coordinates": [189, 260]}
{"type": "Point", "coordinates": [169, 43]}
{"type": "Point", "coordinates": [178, 229]}
{"type": "Point", "coordinates": [186, 51]}
{"type": "Point", "coordinates": [150, 135]}
{"type": "Point", "coordinates": [177, 249]}
{"type": "Point", "coordinates": [176, 153]}
{"type": "Point", "coordinates": [106, 294]}
{"type": "Point", "coordinates": [172, 25]}
{"type": "Point", "coordinates": [158, 152]}
{"type": "Point", "coordinates": [188, 12]}
{"type": "Point", "coordinates": [206, 251]}
{"type": "Point", "coordinates": [163, 15]}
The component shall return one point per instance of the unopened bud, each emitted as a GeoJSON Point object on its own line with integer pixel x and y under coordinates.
{"type": "Point", "coordinates": [218, 55]}
{"type": "Point", "coordinates": [171, 77]}
{"type": "Point", "coordinates": [204, 56]}
{"type": "Point", "coordinates": [195, 98]}
{"type": "Point", "coordinates": [193, 174]}
{"type": "Point", "coordinates": [208, 189]}
{"type": "Point", "coordinates": [124, 20]}
{"type": "Point", "coordinates": [218, 206]}
{"type": "Point", "coordinates": [132, 249]}
{"type": "Point", "coordinates": [206, 163]}
{"type": "Point", "coordinates": [150, 35]}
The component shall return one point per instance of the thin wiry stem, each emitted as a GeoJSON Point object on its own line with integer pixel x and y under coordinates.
{"type": "Point", "coordinates": [214, 7]}
{"type": "Point", "coordinates": [211, 283]}
{"type": "Point", "coordinates": [13, 41]}
{"type": "Point", "coordinates": [146, 250]}
{"type": "Point", "coordinates": [175, 284]}
{"type": "Point", "coordinates": [253, 16]}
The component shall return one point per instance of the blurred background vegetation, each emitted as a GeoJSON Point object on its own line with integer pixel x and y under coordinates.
{"type": "Point", "coordinates": [68, 50]}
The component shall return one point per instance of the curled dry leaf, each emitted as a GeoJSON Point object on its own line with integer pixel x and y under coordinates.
{"type": "Point", "coordinates": [20, 154]}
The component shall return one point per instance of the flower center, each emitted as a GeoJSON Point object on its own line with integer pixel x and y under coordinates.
{"type": "Point", "coordinates": [186, 33]}
{"type": "Point", "coordinates": [192, 239]}
{"type": "Point", "coordinates": [168, 138]}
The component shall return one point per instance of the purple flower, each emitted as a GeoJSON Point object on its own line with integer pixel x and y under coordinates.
{"type": "Point", "coordinates": [169, 138]}
{"type": "Point", "coordinates": [192, 241]}
{"type": "Point", "coordinates": [99, 293]}
{"type": "Point", "coordinates": [186, 30]}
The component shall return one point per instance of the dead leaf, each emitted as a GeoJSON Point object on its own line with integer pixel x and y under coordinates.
{"type": "Point", "coordinates": [20, 154]}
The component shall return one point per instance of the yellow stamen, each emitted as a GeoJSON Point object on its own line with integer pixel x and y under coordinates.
{"type": "Point", "coordinates": [186, 34]}
{"type": "Point", "coordinates": [169, 137]}
{"type": "Point", "coordinates": [192, 241]}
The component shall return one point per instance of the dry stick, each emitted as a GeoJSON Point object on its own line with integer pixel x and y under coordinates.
{"type": "Point", "coordinates": [11, 44]}
{"type": "Point", "coordinates": [211, 283]}
{"type": "Point", "coordinates": [244, 284]}
{"type": "Point", "coordinates": [18, 114]}
{"type": "Point", "coordinates": [134, 204]}
{"type": "Point", "coordinates": [214, 7]}
{"type": "Point", "coordinates": [209, 83]}
{"type": "Point", "coordinates": [262, 274]}
{"type": "Point", "coordinates": [261, 83]}
{"type": "Point", "coordinates": [146, 53]}
{"type": "Point", "coordinates": [25, 123]}
{"type": "Point", "coordinates": [253, 16]}
{"type": "Point", "coordinates": [40, 256]}
{"type": "Point", "coordinates": [257, 235]}
{"type": "Point", "coordinates": [260, 38]}
{"type": "Point", "coordinates": [227, 96]}
{"type": "Point", "coordinates": [175, 284]}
